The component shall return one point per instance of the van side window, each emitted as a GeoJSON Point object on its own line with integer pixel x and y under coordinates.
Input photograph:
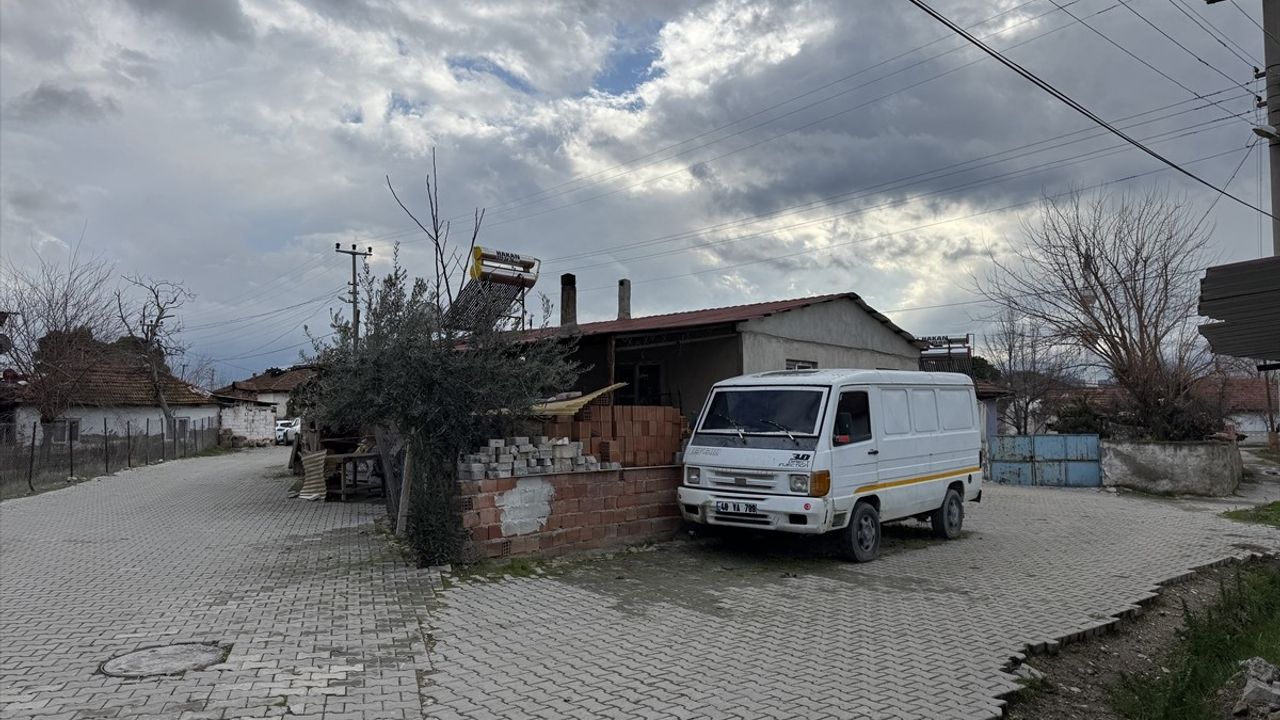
{"type": "Point", "coordinates": [924, 410]}
{"type": "Point", "coordinates": [897, 418]}
{"type": "Point", "coordinates": [853, 418]}
{"type": "Point", "coordinates": [956, 409]}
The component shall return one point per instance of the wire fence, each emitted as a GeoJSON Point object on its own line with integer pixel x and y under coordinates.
{"type": "Point", "coordinates": [35, 457]}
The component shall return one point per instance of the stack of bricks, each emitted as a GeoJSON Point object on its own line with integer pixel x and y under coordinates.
{"type": "Point", "coordinates": [523, 456]}
{"type": "Point", "coordinates": [633, 435]}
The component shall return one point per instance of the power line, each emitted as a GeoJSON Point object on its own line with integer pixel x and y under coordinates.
{"type": "Point", "coordinates": [503, 207]}
{"type": "Point", "coordinates": [1173, 40]}
{"type": "Point", "coordinates": [925, 226]}
{"type": "Point", "coordinates": [1056, 164]}
{"type": "Point", "coordinates": [778, 135]}
{"type": "Point", "coordinates": [1255, 22]}
{"type": "Point", "coordinates": [1248, 149]}
{"type": "Point", "coordinates": [833, 199]}
{"type": "Point", "coordinates": [1210, 29]}
{"type": "Point", "coordinates": [243, 318]}
{"type": "Point", "coordinates": [1126, 51]}
{"type": "Point", "coordinates": [771, 138]}
{"type": "Point", "coordinates": [1065, 99]}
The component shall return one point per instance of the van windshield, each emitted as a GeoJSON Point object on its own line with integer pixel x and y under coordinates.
{"type": "Point", "coordinates": [764, 411]}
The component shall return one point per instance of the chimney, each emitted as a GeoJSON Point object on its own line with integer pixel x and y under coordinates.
{"type": "Point", "coordinates": [568, 301]}
{"type": "Point", "coordinates": [624, 299]}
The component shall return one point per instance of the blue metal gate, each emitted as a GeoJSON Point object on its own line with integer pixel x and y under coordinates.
{"type": "Point", "coordinates": [1058, 460]}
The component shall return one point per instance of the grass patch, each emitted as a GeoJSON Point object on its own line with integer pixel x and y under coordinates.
{"type": "Point", "coordinates": [496, 570]}
{"type": "Point", "coordinates": [1242, 623]}
{"type": "Point", "coordinates": [1268, 514]}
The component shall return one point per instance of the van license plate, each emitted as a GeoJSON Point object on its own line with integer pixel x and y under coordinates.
{"type": "Point", "coordinates": [735, 507]}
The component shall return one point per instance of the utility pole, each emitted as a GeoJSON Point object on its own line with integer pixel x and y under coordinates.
{"type": "Point", "coordinates": [1270, 131]}
{"type": "Point", "coordinates": [355, 291]}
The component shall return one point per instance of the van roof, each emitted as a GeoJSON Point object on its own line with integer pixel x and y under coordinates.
{"type": "Point", "coordinates": [845, 376]}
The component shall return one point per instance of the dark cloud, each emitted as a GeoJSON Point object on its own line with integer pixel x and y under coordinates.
{"type": "Point", "coordinates": [221, 18]}
{"type": "Point", "coordinates": [51, 101]}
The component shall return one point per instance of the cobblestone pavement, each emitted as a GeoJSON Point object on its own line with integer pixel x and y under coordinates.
{"type": "Point", "coordinates": [716, 630]}
{"type": "Point", "coordinates": [323, 619]}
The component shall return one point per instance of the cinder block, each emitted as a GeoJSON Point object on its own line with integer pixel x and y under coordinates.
{"type": "Point", "coordinates": [519, 440]}
{"type": "Point", "coordinates": [497, 443]}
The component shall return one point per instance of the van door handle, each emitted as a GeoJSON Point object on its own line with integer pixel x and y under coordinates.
{"type": "Point", "coordinates": [873, 452]}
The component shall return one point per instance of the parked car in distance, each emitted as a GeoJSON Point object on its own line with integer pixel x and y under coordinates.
{"type": "Point", "coordinates": [817, 451]}
{"type": "Point", "coordinates": [287, 430]}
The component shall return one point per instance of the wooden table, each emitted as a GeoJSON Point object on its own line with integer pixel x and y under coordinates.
{"type": "Point", "coordinates": [352, 460]}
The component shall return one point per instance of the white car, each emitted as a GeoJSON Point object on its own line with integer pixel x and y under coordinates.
{"type": "Point", "coordinates": [287, 430]}
{"type": "Point", "coordinates": [817, 451]}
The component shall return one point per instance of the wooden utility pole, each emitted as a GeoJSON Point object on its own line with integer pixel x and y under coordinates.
{"type": "Point", "coordinates": [355, 290]}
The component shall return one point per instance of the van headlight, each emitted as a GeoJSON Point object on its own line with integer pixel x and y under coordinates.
{"type": "Point", "coordinates": [693, 476]}
{"type": "Point", "coordinates": [799, 483]}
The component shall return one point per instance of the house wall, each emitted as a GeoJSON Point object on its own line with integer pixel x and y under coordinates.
{"type": "Point", "coordinates": [836, 334]}
{"type": "Point", "coordinates": [120, 419]}
{"type": "Point", "coordinates": [1254, 425]}
{"type": "Point", "coordinates": [690, 369]}
{"type": "Point", "coordinates": [255, 423]}
{"type": "Point", "coordinates": [279, 399]}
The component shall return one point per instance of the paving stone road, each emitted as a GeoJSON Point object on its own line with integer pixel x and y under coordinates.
{"type": "Point", "coordinates": [325, 621]}
{"type": "Point", "coordinates": [322, 618]}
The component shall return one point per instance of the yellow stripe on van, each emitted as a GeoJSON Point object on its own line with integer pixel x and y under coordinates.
{"type": "Point", "coordinates": [912, 481]}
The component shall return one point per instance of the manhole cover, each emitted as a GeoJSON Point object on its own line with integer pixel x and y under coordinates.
{"type": "Point", "coordinates": [165, 660]}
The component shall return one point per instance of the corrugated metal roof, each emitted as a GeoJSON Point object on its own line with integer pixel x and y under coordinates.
{"type": "Point", "coordinates": [721, 315]}
{"type": "Point", "coordinates": [1245, 296]}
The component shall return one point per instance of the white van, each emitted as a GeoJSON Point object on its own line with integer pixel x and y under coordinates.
{"type": "Point", "coordinates": [815, 451]}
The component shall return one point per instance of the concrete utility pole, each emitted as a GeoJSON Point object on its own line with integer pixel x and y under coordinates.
{"type": "Point", "coordinates": [1271, 131]}
{"type": "Point", "coordinates": [355, 291]}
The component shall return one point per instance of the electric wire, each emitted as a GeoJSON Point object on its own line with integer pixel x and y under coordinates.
{"type": "Point", "coordinates": [1213, 32]}
{"type": "Point", "coordinates": [1069, 102]}
{"type": "Point", "coordinates": [1170, 38]}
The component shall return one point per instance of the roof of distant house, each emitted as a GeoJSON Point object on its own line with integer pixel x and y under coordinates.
{"type": "Point", "coordinates": [271, 381]}
{"type": "Point", "coordinates": [113, 380]}
{"type": "Point", "coordinates": [721, 315]}
{"type": "Point", "coordinates": [1238, 394]}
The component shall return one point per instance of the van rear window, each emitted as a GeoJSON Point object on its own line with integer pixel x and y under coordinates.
{"type": "Point", "coordinates": [764, 412]}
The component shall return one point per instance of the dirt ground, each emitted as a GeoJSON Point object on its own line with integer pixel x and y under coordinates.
{"type": "Point", "coordinates": [1078, 680]}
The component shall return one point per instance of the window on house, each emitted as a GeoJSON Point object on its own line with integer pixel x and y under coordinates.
{"type": "Point", "coordinates": [801, 365]}
{"type": "Point", "coordinates": [853, 418]}
{"type": "Point", "coordinates": [60, 431]}
{"type": "Point", "coordinates": [644, 384]}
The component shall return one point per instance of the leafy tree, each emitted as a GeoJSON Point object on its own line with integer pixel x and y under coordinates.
{"type": "Point", "coordinates": [443, 381]}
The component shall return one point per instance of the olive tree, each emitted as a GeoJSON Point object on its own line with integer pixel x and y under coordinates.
{"type": "Point", "coordinates": [444, 382]}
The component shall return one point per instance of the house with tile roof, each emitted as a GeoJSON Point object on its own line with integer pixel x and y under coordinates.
{"type": "Point", "coordinates": [111, 391]}
{"type": "Point", "coordinates": [675, 358]}
{"type": "Point", "coordinates": [270, 386]}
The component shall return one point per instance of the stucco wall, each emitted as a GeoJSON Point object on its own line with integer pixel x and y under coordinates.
{"type": "Point", "coordinates": [255, 423]}
{"type": "Point", "coordinates": [119, 419]}
{"type": "Point", "coordinates": [836, 334]}
{"type": "Point", "coordinates": [1179, 468]}
{"type": "Point", "coordinates": [281, 401]}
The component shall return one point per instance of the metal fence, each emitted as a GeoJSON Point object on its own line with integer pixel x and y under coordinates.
{"type": "Point", "coordinates": [1058, 460]}
{"type": "Point", "coordinates": [34, 457]}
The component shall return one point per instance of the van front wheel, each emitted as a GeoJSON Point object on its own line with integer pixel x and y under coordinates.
{"type": "Point", "coordinates": [949, 519]}
{"type": "Point", "coordinates": [862, 537]}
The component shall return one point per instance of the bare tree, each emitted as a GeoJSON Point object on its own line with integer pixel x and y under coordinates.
{"type": "Point", "coordinates": [61, 316]}
{"type": "Point", "coordinates": [1115, 275]}
{"type": "Point", "coordinates": [1031, 366]}
{"type": "Point", "coordinates": [151, 325]}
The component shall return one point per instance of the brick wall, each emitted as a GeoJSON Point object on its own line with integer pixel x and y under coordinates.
{"type": "Point", "coordinates": [552, 514]}
{"type": "Point", "coordinates": [633, 435]}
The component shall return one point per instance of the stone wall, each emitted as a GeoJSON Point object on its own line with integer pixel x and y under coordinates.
{"type": "Point", "coordinates": [255, 423]}
{"type": "Point", "coordinates": [552, 514]}
{"type": "Point", "coordinates": [1178, 468]}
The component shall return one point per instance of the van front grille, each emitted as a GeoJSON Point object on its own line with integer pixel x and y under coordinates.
{"type": "Point", "coordinates": [742, 518]}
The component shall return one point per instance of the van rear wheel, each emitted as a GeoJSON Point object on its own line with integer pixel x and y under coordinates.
{"type": "Point", "coordinates": [948, 519]}
{"type": "Point", "coordinates": [861, 540]}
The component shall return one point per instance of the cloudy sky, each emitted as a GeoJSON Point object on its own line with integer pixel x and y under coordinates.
{"type": "Point", "coordinates": [714, 151]}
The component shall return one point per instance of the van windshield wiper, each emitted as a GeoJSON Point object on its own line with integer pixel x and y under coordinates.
{"type": "Point", "coordinates": [781, 427]}
{"type": "Point", "coordinates": [736, 425]}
